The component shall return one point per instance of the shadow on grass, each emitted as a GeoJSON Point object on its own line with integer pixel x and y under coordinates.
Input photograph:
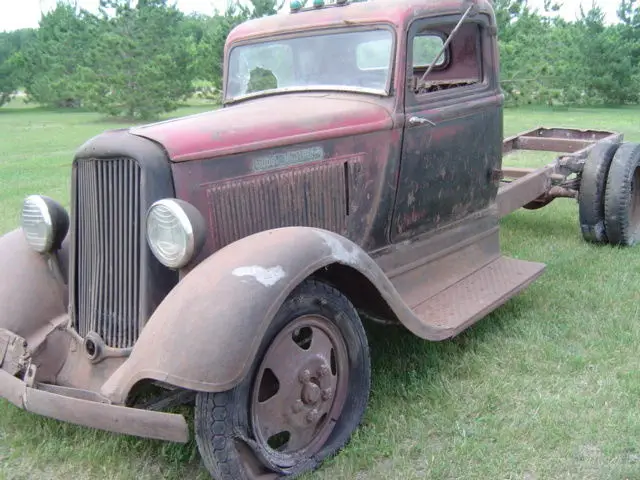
{"type": "Point", "coordinates": [535, 223]}
{"type": "Point", "coordinates": [401, 359]}
{"type": "Point", "coordinates": [48, 440]}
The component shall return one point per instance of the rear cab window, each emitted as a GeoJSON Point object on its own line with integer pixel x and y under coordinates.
{"type": "Point", "coordinates": [459, 66]}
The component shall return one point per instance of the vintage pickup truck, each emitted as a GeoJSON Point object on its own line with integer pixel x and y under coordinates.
{"type": "Point", "coordinates": [228, 260]}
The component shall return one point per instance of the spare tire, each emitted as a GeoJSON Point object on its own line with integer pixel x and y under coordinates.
{"type": "Point", "coordinates": [592, 191]}
{"type": "Point", "coordinates": [622, 198]}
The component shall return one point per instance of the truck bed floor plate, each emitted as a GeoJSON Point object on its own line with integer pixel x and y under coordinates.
{"type": "Point", "coordinates": [467, 301]}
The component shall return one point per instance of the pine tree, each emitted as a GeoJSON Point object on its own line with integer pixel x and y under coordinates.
{"type": "Point", "coordinates": [140, 63]}
{"type": "Point", "coordinates": [49, 64]}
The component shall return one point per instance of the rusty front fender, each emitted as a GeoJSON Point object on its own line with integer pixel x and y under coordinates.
{"type": "Point", "coordinates": [33, 300]}
{"type": "Point", "coordinates": [205, 334]}
{"type": "Point", "coordinates": [30, 294]}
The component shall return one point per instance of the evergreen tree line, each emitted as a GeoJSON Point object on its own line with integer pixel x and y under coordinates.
{"type": "Point", "coordinates": [141, 58]}
{"type": "Point", "coordinates": [546, 59]}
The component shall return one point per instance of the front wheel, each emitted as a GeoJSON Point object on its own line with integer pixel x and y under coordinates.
{"type": "Point", "coordinates": [303, 398]}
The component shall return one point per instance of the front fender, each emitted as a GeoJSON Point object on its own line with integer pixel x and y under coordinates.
{"type": "Point", "coordinates": [30, 294]}
{"type": "Point", "coordinates": [33, 300]}
{"type": "Point", "coordinates": [205, 334]}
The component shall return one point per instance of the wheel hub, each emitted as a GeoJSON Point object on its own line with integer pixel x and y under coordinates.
{"type": "Point", "coordinates": [310, 394]}
{"type": "Point", "coordinates": [294, 399]}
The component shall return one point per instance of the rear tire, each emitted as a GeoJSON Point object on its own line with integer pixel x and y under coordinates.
{"type": "Point", "coordinates": [304, 396]}
{"type": "Point", "coordinates": [622, 199]}
{"type": "Point", "coordinates": [592, 192]}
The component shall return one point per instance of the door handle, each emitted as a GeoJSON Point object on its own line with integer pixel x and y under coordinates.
{"type": "Point", "coordinates": [415, 121]}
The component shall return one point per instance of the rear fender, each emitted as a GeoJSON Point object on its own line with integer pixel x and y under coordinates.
{"type": "Point", "coordinates": [205, 334]}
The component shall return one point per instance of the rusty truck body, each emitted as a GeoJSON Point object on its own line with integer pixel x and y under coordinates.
{"type": "Point", "coordinates": [228, 260]}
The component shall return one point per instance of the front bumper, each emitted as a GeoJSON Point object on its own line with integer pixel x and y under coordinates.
{"type": "Point", "coordinates": [75, 405]}
{"type": "Point", "coordinates": [93, 413]}
{"type": "Point", "coordinates": [43, 367]}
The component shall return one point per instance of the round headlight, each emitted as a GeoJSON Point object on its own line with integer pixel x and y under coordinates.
{"type": "Point", "coordinates": [45, 223]}
{"type": "Point", "coordinates": [175, 232]}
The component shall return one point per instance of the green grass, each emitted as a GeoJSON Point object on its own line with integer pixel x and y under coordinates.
{"type": "Point", "coordinates": [547, 387]}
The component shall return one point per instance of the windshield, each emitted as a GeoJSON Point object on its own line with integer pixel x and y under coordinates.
{"type": "Point", "coordinates": [356, 60]}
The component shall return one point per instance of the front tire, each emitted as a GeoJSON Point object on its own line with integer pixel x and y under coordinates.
{"type": "Point", "coordinates": [305, 394]}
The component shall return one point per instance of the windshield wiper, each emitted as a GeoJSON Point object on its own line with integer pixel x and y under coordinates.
{"type": "Point", "coordinates": [453, 34]}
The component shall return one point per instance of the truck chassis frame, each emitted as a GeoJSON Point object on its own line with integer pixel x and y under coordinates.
{"type": "Point", "coordinates": [534, 188]}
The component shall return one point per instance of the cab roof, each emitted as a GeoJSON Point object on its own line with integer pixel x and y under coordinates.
{"type": "Point", "coordinates": [395, 12]}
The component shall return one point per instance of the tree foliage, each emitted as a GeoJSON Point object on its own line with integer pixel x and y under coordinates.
{"type": "Point", "coordinates": [210, 50]}
{"type": "Point", "coordinates": [141, 66]}
{"type": "Point", "coordinates": [548, 60]}
{"type": "Point", "coordinates": [49, 64]}
{"type": "Point", "coordinates": [10, 44]}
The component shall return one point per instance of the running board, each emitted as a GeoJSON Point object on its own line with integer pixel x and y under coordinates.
{"type": "Point", "coordinates": [457, 307]}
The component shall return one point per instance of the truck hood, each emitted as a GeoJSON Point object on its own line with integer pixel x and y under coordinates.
{"type": "Point", "coordinates": [266, 123]}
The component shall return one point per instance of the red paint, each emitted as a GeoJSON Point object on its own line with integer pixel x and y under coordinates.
{"type": "Point", "coordinates": [267, 123]}
{"type": "Point", "coordinates": [394, 12]}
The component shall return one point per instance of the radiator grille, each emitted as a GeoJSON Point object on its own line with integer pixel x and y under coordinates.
{"type": "Point", "coordinates": [108, 248]}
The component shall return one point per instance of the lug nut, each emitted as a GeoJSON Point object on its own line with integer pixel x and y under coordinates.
{"type": "Point", "coordinates": [326, 394]}
{"type": "Point", "coordinates": [305, 376]}
{"type": "Point", "coordinates": [323, 370]}
{"type": "Point", "coordinates": [297, 406]}
{"type": "Point", "coordinates": [313, 416]}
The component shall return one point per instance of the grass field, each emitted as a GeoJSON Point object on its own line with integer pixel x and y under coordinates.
{"type": "Point", "coordinates": [547, 387]}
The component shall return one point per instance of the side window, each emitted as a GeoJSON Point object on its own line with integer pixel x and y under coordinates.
{"type": "Point", "coordinates": [459, 66]}
{"type": "Point", "coordinates": [426, 47]}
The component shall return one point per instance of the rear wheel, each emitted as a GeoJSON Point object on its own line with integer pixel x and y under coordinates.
{"type": "Point", "coordinates": [305, 395]}
{"type": "Point", "coordinates": [622, 200]}
{"type": "Point", "coordinates": [592, 192]}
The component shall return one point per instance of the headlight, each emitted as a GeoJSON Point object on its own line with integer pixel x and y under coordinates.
{"type": "Point", "coordinates": [175, 232]}
{"type": "Point", "coordinates": [45, 223]}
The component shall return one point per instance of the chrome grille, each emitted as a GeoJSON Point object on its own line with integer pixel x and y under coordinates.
{"type": "Point", "coordinates": [108, 209]}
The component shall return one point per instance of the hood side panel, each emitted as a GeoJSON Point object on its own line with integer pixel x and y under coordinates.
{"type": "Point", "coordinates": [346, 185]}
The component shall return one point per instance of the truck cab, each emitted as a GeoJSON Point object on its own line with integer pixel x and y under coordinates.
{"type": "Point", "coordinates": [342, 111]}
{"type": "Point", "coordinates": [230, 260]}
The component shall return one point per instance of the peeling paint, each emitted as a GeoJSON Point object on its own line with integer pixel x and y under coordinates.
{"type": "Point", "coordinates": [338, 249]}
{"type": "Point", "coordinates": [266, 276]}
{"type": "Point", "coordinates": [411, 200]}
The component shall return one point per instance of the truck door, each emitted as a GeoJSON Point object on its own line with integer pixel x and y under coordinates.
{"type": "Point", "coordinates": [452, 145]}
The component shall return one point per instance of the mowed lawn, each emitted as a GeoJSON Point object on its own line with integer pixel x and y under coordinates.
{"type": "Point", "coordinates": [547, 387]}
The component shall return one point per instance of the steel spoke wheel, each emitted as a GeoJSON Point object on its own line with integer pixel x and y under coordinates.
{"type": "Point", "coordinates": [300, 388]}
{"type": "Point", "coordinates": [305, 395]}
